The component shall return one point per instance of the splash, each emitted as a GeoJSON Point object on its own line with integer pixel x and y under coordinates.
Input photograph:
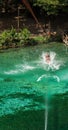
{"type": "Point", "coordinates": [53, 64]}
{"type": "Point", "coordinates": [48, 77]}
{"type": "Point", "coordinates": [19, 69]}
{"type": "Point", "coordinates": [11, 72]}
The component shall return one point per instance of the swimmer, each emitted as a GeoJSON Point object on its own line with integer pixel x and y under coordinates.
{"type": "Point", "coordinates": [47, 58]}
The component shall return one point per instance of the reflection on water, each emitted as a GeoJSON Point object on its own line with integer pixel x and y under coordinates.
{"type": "Point", "coordinates": [34, 94]}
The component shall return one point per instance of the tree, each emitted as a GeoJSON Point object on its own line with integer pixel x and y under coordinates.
{"type": "Point", "coordinates": [52, 6]}
{"type": "Point", "coordinates": [6, 4]}
{"type": "Point", "coordinates": [49, 6]}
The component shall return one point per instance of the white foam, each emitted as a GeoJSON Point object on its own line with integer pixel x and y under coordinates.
{"type": "Point", "coordinates": [57, 78]}
{"type": "Point", "coordinates": [24, 67]}
{"type": "Point", "coordinates": [48, 76]}
{"type": "Point", "coordinates": [19, 69]}
{"type": "Point", "coordinates": [28, 67]}
{"type": "Point", "coordinates": [54, 64]}
{"type": "Point", "coordinates": [42, 76]}
{"type": "Point", "coordinates": [11, 72]}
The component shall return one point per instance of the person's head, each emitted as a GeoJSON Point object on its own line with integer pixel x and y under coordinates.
{"type": "Point", "coordinates": [47, 58]}
{"type": "Point", "coordinates": [47, 55]}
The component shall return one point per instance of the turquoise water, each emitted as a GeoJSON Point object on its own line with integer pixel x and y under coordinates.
{"type": "Point", "coordinates": [29, 88]}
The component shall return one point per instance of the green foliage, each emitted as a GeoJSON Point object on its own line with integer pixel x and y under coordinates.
{"type": "Point", "coordinates": [42, 39]}
{"type": "Point", "coordinates": [52, 6]}
{"type": "Point", "coordinates": [9, 37]}
{"type": "Point", "coordinates": [25, 34]}
{"type": "Point", "coordinates": [39, 39]}
{"type": "Point", "coordinates": [13, 38]}
{"type": "Point", "coordinates": [5, 37]}
{"type": "Point", "coordinates": [49, 2]}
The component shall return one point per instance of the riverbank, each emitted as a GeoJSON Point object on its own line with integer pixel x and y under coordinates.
{"type": "Point", "coordinates": [57, 23]}
{"type": "Point", "coordinates": [23, 38]}
{"type": "Point", "coordinates": [51, 29]}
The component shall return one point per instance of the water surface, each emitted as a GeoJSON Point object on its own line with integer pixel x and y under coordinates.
{"type": "Point", "coordinates": [29, 88]}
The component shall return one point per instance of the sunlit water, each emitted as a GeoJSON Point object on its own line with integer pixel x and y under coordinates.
{"type": "Point", "coordinates": [33, 93]}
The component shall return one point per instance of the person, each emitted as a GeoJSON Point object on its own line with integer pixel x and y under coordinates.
{"type": "Point", "coordinates": [65, 37]}
{"type": "Point", "coordinates": [47, 58]}
{"type": "Point", "coordinates": [65, 40]}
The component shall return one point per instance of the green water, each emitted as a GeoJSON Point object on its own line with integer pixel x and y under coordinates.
{"type": "Point", "coordinates": [28, 86]}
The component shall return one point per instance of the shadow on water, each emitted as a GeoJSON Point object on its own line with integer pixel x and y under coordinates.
{"type": "Point", "coordinates": [28, 120]}
{"type": "Point", "coordinates": [58, 115]}
{"type": "Point", "coordinates": [35, 119]}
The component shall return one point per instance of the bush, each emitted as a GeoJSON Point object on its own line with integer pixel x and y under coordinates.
{"type": "Point", "coordinates": [52, 6]}
{"type": "Point", "coordinates": [24, 35]}
{"type": "Point", "coordinates": [13, 38]}
{"type": "Point", "coordinates": [5, 37]}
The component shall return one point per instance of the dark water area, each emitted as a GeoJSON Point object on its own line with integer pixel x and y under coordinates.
{"type": "Point", "coordinates": [58, 114]}
{"type": "Point", "coordinates": [34, 94]}
{"type": "Point", "coordinates": [29, 120]}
